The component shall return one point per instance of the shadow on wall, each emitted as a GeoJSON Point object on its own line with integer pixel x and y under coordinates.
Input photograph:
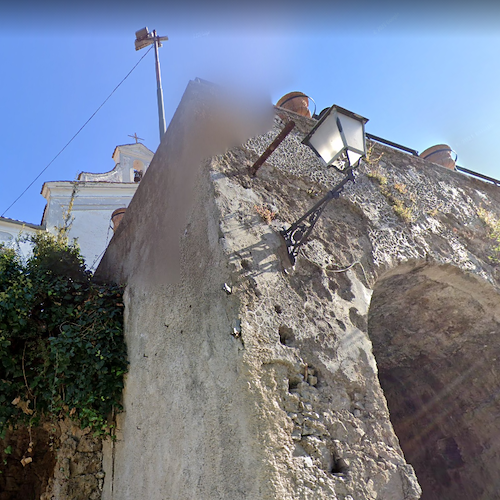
{"type": "Point", "coordinates": [435, 334]}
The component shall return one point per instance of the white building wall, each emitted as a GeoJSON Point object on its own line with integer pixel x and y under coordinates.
{"type": "Point", "coordinates": [94, 198]}
{"type": "Point", "coordinates": [14, 234]}
{"type": "Point", "coordinates": [90, 216]}
{"type": "Point", "coordinates": [127, 158]}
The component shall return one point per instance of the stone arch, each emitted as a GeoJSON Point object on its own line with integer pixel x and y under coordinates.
{"type": "Point", "coordinates": [435, 332]}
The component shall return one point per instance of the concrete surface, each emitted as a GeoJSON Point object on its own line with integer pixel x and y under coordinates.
{"type": "Point", "coordinates": [252, 380]}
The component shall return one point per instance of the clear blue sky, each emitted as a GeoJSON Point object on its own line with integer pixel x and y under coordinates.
{"type": "Point", "coordinates": [423, 75]}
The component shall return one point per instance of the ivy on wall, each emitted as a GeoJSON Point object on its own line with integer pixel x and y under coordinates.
{"type": "Point", "coordinates": [62, 350]}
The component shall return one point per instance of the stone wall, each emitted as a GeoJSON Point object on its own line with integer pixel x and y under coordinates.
{"type": "Point", "coordinates": [252, 379]}
{"type": "Point", "coordinates": [434, 332]}
{"type": "Point", "coordinates": [55, 460]}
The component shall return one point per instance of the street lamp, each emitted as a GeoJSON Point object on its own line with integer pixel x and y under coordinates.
{"type": "Point", "coordinates": [338, 133]}
{"type": "Point", "coordinates": [143, 38]}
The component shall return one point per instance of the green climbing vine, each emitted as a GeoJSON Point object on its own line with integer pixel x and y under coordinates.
{"type": "Point", "coordinates": [62, 351]}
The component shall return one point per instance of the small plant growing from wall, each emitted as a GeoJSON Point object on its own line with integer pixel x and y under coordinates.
{"type": "Point", "coordinates": [395, 194]}
{"type": "Point", "coordinates": [265, 212]}
{"type": "Point", "coordinates": [404, 212]}
{"type": "Point", "coordinates": [371, 159]}
{"type": "Point", "coordinates": [493, 225]}
{"type": "Point", "coordinates": [62, 351]}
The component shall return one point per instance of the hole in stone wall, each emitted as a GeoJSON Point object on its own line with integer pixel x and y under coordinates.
{"type": "Point", "coordinates": [448, 449]}
{"type": "Point", "coordinates": [245, 264]}
{"type": "Point", "coordinates": [432, 331]}
{"type": "Point", "coordinates": [338, 465]}
{"type": "Point", "coordinates": [332, 285]}
{"type": "Point", "coordinates": [286, 335]}
{"type": "Point", "coordinates": [341, 324]}
{"type": "Point", "coordinates": [278, 309]}
{"type": "Point", "coordinates": [294, 381]}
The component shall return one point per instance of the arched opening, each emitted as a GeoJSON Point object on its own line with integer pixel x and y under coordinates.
{"type": "Point", "coordinates": [138, 170]}
{"type": "Point", "coordinates": [435, 332]}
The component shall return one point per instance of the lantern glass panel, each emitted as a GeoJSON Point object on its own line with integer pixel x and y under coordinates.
{"type": "Point", "coordinates": [353, 157]}
{"type": "Point", "coordinates": [354, 132]}
{"type": "Point", "coordinates": [326, 140]}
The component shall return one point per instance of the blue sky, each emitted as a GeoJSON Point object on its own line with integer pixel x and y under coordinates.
{"type": "Point", "coordinates": [423, 75]}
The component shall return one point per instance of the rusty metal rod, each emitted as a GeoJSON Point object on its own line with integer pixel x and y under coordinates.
{"type": "Point", "coordinates": [267, 153]}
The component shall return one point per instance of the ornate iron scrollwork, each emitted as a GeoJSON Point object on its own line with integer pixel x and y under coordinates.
{"type": "Point", "coordinates": [299, 231]}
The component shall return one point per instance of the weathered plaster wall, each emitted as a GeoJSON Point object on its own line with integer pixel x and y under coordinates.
{"type": "Point", "coordinates": [193, 430]}
{"type": "Point", "coordinates": [247, 381]}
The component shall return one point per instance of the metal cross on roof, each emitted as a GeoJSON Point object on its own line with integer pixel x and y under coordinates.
{"type": "Point", "coordinates": [137, 139]}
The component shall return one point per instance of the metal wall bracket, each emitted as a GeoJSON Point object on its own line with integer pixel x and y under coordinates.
{"type": "Point", "coordinates": [296, 235]}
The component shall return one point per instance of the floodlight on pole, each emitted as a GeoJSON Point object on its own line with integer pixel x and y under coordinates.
{"type": "Point", "coordinates": [143, 38]}
{"type": "Point", "coordinates": [338, 134]}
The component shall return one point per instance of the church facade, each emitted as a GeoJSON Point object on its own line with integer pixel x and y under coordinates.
{"type": "Point", "coordinates": [86, 205]}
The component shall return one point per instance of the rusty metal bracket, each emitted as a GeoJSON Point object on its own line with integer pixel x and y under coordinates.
{"type": "Point", "coordinates": [268, 152]}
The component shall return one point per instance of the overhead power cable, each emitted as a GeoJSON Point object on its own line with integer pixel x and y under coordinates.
{"type": "Point", "coordinates": [71, 140]}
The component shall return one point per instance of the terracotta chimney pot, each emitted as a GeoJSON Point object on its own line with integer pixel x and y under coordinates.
{"type": "Point", "coordinates": [117, 216]}
{"type": "Point", "coordinates": [297, 102]}
{"type": "Point", "coordinates": [440, 154]}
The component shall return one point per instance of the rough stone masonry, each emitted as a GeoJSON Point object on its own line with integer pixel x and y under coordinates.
{"type": "Point", "coordinates": [368, 371]}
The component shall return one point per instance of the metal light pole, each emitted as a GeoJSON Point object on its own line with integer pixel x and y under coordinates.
{"type": "Point", "coordinates": [143, 38]}
{"type": "Point", "coordinates": [159, 90]}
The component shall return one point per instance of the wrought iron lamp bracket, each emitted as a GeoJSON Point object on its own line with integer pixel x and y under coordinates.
{"type": "Point", "coordinates": [299, 231]}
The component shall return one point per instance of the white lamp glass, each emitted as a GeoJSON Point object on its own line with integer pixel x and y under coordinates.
{"type": "Point", "coordinates": [339, 131]}
{"type": "Point", "coordinates": [353, 157]}
{"type": "Point", "coordinates": [354, 132]}
{"type": "Point", "coordinates": [327, 141]}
